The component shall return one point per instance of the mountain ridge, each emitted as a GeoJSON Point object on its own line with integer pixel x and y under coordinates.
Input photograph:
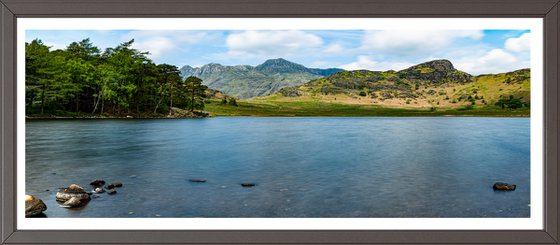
{"type": "Point", "coordinates": [245, 81]}
{"type": "Point", "coordinates": [430, 84]}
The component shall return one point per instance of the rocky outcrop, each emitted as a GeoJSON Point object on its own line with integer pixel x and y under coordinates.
{"type": "Point", "coordinates": [435, 71]}
{"type": "Point", "coordinates": [290, 92]}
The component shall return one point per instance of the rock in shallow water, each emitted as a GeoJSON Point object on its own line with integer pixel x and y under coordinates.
{"type": "Point", "coordinates": [97, 182]}
{"type": "Point", "coordinates": [197, 180]}
{"type": "Point", "coordinates": [111, 191]}
{"type": "Point", "coordinates": [34, 206]}
{"type": "Point", "coordinates": [501, 186]}
{"type": "Point", "coordinates": [117, 184]}
{"type": "Point", "coordinates": [75, 193]}
{"type": "Point", "coordinates": [248, 184]}
{"type": "Point", "coordinates": [75, 202]}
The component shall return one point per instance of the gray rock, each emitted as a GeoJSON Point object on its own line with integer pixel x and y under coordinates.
{"type": "Point", "coordinates": [81, 197]}
{"type": "Point", "coordinates": [34, 206]}
{"type": "Point", "coordinates": [117, 184]}
{"type": "Point", "coordinates": [501, 186]}
{"type": "Point", "coordinates": [75, 202]}
{"type": "Point", "coordinates": [197, 180]}
{"type": "Point", "coordinates": [97, 183]}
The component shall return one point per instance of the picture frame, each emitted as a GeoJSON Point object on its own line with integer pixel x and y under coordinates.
{"type": "Point", "coordinates": [11, 10]}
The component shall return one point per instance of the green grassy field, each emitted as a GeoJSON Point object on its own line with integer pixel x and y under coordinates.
{"type": "Point", "coordinates": [317, 108]}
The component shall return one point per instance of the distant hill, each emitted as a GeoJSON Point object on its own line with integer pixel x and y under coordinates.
{"type": "Point", "coordinates": [431, 84]}
{"type": "Point", "coordinates": [244, 81]}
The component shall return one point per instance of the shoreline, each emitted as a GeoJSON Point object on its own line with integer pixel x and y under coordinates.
{"type": "Point", "coordinates": [281, 116]}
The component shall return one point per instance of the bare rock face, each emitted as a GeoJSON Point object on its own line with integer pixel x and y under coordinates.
{"type": "Point", "coordinates": [34, 206]}
{"type": "Point", "coordinates": [72, 196]}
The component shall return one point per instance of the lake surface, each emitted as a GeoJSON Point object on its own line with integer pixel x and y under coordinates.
{"type": "Point", "coordinates": [302, 167]}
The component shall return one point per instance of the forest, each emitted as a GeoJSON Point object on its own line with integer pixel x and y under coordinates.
{"type": "Point", "coordinates": [120, 81]}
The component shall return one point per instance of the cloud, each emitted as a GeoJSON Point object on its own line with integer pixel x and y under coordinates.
{"type": "Point", "coordinates": [494, 61]}
{"type": "Point", "coordinates": [271, 43]}
{"type": "Point", "coordinates": [156, 46]}
{"type": "Point", "coordinates": [414, 42]}
{"type": "Point", "coordinates": [519, 44]}
{"type": "Point", "coordinates": [365, 62]}
{"type": "Point", "coordinates": [334, 48]}
{"type": "Point", "coordinates": [513, 56]}
{"type": "Point", "coordinates": [161, 42]}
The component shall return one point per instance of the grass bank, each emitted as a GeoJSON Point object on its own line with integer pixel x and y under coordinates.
{"type": "Point", "coordinates": [318, 108]}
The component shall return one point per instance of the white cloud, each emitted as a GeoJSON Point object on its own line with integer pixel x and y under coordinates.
{"type": "Point", "coordinates": [365, 62]}
{"type": "Point", "coordinates": [494, 61]}
{"type": "Point", "coordinates": [156, 46]}
{"type": "Point", "coordinates": [271, 43]}
{"type": "Point", "coordinates": [414, 42]}
{"type": "Point", "coordinates": [519, 44]}
{"type": "Point", "coordinates": [334, 48]}
{"type": "Point", "coordinates": [161, 42]}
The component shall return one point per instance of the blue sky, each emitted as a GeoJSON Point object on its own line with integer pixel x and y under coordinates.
{"type": "Point", "coordinates": [473, 51]}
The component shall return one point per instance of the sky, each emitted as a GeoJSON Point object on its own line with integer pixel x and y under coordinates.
{"type": "Point", "coordinates": [473, 51]}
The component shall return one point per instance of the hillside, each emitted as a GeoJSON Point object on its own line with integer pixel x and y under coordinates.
{"type": "Point", "coordinates": [434, 84]}
{"type": "Point", "coordinates": [244, 81]}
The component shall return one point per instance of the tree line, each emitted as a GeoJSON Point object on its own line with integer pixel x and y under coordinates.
{"type": "Point", "coordinates": [118, 81]}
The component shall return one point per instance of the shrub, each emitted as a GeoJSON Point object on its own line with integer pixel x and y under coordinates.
{"type": "Point", "coordinates": [232, 102]}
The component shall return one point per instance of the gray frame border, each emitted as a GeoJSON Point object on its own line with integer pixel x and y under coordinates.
{"type": "Point", "coordinates": [10, 10]}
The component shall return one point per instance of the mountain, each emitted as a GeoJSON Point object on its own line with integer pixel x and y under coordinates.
{"type": "Point", "coordinates": [431, 84]}
{"type": "Point", "coordinates": [246, 81]}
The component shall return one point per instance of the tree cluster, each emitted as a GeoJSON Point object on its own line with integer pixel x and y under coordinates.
{"type": "Point", "coordinates": [511, 103]}
{"type": "Point", "coordinates": [117, 81]}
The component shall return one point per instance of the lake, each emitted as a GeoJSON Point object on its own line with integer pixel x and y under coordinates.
{"type": "Point", "coordinates": [302, 166]}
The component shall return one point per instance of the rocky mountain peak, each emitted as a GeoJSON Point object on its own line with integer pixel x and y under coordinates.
{"type": "Point", "coordinates": [438, 65]}
{"type": "Point", "coordinates": [437, 71]}
{"type": "Point", "coordinates": [281, 66]}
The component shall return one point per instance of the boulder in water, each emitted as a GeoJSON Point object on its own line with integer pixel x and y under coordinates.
{"type": "Point", "coordinates": [111, 191]}
{"type": "Point", "coordinates": [81, 197]}
{"type": "Point", "coordinates": [75, 202]}
{"type": "Point", "coordinates": [117, 184]}
{"type": "Point", "coordinates": [97, 182]}
{"type": "Point", "coordinates": [197, 180]}
{"type": "Point", "coordinates": [501, 186]}
{"type": "Point", "coordinates": [248, 184]}
{"type": "Point", "coordinates": [34, 206]}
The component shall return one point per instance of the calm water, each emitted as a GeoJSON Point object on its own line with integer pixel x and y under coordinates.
{"type": "Point", "coordinates": [303, 167]}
